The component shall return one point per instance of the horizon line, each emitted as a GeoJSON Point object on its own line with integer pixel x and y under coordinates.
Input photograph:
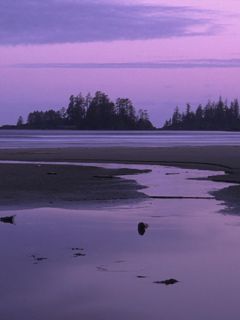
{"type": "Point", "coordinates": [164, 64]}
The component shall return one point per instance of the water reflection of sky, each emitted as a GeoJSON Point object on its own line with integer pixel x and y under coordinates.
{"type": "Point", "coordinates": [57, 138]}
{"type": "Point", "coordinates": [187, 240]}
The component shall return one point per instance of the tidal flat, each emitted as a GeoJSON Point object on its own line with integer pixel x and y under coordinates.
{"type": "Point", "coordinates": [91, 262]}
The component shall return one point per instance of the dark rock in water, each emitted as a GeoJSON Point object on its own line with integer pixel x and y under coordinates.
{"type": "Point", "coordinates": [37, 259]}
{"type": "Point", "coordinates": [41, 259]}
{"type": "Point", "coordinates": [79, 254]}
{"type": "Point", "coordinates": [9, 219]}
{"type": "Point", "coordinates": [52, 173]}
{"type": "Point", "coordinates": [167, 282]}
{"type": "Point", "coordinates": [142, 228]}
{"type": "Point", "coordinates": [141, 277]}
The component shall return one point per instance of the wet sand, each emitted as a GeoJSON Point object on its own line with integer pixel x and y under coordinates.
{"type": "Point", "coordinates": [19, 183]}
{"type": "Point", "coordinates": [93, 263]}
{"type": "Point", "coordinates": [208, 157]}
{"type": "Point", "coordinates": [43, 273]}
{"type": "Point", "coordinates": [42, 185]}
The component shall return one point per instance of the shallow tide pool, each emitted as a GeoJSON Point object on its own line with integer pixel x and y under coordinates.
{"type": "Point", "coordinates": [92, 263]}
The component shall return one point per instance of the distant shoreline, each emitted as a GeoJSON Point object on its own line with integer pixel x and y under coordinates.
{"type": "Point", "coordinates": [13, 127]}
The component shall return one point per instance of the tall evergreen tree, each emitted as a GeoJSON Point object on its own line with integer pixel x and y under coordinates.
{"type": "Point", "coordinates": [214, 116]}
{"type": "Point", "coordinates": [97, 112]}
{"type": "Point", "coordinates": [20, 122]}
{"type": "Point", "coordinates": [101, 112]}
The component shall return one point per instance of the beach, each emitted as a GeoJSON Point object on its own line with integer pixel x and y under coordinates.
{"type": "Point", "coordinates": [73, 249]}
{"type": "Point", "coordinates": [201, 157]}
{"type": "Point", "coordinates": [44, 185]}
{"type": "Point", "coordinates": [61, 185]}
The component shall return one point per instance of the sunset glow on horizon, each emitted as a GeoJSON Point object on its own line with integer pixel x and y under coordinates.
{"type": "Point", "coordinates": [157, 54]}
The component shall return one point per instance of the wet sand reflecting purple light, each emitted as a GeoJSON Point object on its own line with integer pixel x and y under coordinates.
{"type": "Point", "coordinates": [188, 240]}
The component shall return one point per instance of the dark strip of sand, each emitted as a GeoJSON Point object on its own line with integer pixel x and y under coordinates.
{"type": "Point", "coordinates": [224, 158]}
{"type": "Point", "coordinates": [30, 185]}
{"type": "Point", "coordinates": [76, 184]}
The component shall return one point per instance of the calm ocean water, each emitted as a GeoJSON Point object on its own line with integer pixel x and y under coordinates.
{"type": "Point", "coordinates": [60, 138]}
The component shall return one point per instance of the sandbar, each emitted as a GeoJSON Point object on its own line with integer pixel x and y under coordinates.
{"type": "Point", "coordinates": [21, 182]}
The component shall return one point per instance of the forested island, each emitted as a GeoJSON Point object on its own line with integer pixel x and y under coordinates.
{"type": "Point", "coordinates": [90, 113]}
{"type": "Point", "coordinates": [99, 112]}
{"type": "Point", "coordinates": [213, 116]}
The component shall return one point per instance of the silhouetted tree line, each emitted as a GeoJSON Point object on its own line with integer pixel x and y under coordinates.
{"type": "Point", "coordinates": [92, 113]}
{"type": "Point", "coordinates": [213, 116]}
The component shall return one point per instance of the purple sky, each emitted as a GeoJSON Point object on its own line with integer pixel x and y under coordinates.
{"type": "Point", "coordinates": [158, 54]}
